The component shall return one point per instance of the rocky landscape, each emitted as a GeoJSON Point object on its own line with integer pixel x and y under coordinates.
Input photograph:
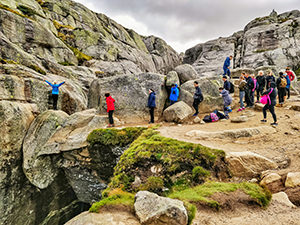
{"type": "Point", "coordinates": [55, 165]}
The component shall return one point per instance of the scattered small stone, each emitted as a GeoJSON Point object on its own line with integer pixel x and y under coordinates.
{"type": "Point", "coordinates": [239, 119]}
{"type": "Point", "coordinates": [270, 178]}
{"type": "Point", "coordinates": [292, 179]}
{"type": "Point", "coordinates": [197, 120]}
{"type": "Point", "coordinates": [283, 198]}
{"type": "Point", "coordinates": [254, 180]}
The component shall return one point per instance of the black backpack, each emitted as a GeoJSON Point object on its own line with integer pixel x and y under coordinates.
{"type": "Point", "coordinates": [231, 90]}
{"type": "Point", "coordinates": [207, 119]}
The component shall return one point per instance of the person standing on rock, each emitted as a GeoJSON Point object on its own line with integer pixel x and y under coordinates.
{"type": "Point", "coordinates": [290, 74]}
{"type": "Point", "coordinates": [248, 90]}
{"type": "Point", "coordinates": [151, 104]}
{"type": "Point", "coordinates": [254, 88]}
{"type": "Point", "coordinates": [227, 84]}
{"type": "Point", "coordinates": [198, 97]}
{"type": "Point", "coordinates": [227, 101]}
{"type": "Point", "coordinates": [55, 92]}
{"type": "Point", "coordinates": [271, 104]}
{"type": "Point", "coordinates": [261, 83]}
{"type": "Point", "coordinates": [174, 94]}
{"type": "Point", "coordinates": [242, 88]}
{"type": "Point", "coordinates": [281, 86]}
{"type": "Point", "coordinates": [226, 66]}
{"type": "Point", "coordinates": [288, 85]}
{"type": "Point", "coordinates": [110, 103]}
{"type": "Point", "coordinates": [270, 78]}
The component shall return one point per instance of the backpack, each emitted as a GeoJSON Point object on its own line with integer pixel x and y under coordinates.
{"type": "Point", "coordinates": [265, 99]}
{"type": "Point", "coordinates": [207, 119]}
{"type": "Point", "coordinates": [231, 90]}
{"type": "Point", "coordinates": [283, 83]}
{"type": "Point", "coordinates": [214, 117]}
{"type": "Point", "coordinates": [219, 114]}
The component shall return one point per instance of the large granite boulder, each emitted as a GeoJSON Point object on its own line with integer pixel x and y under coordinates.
{"type": "Point", "coordinates": [152, 209]}
{"type": "Point", "coordinates": [186, 72]}
{"type": "Point", "coordinates": [172, 78]}
{"type": "Point", "coordinates": [131, 94]}
{"type": "Point", "coordinates": [177, 112]}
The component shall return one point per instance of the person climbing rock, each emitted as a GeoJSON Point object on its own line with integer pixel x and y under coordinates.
{"type": "Point", "coordinates": [55, 92]}
{"type": "Point", "coordinates": [110, 103]}
{"type": "Point", "coordinates": [227, 84]}
{"type": "Point", "coordinates": [242, 88]}
{"type": "Point", "coordinates": [227, 101]}
{"type": "Point", "coordinates": [271, 104]}
{"type": "Point", "coordinates": [226, 66]}
{"type": "Point", "coordinates": [198, 97]}
{"type": "Point", "coordinates": [151, 104]}
{"type": "Point", "coordinates": [281, 86]}
{"type": "Point", "coordinates": [261, 83]}
{"type": "Point", "coordinates": [174, 94]}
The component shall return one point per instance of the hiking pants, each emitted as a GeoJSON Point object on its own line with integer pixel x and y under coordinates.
{"type": "Point", "coordinates": [196, 105]}
{"type": "Point", "coordinates": [151, 110]}
{"type": "Point", "coordinates": [242, 95]}
{"type": "Point", "coordinates": [281, 94]}
{"type": "Point", "coordinates": [272, 111]}
{"type": "Point", "coordinates": [248, 98]}
{"type": "Point", "coordinates": [252, 97]}
{"type": "Point", "coordinates": [259, 93]}
{"type": "Point", "coordinates": [226, 110]}
{"type": "Point", "coordinates": [172, 102]}
{"type": "Point", "coordinates": [54, 98]}
{"type": "Point", "coordinates": [110, 116]}
{"type": "Point", "coordinates": [227, 72]}
{"type": "Point", "coordinates": [288, 90]}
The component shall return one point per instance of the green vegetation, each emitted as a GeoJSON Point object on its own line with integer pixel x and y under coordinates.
{"type": "Point", "coordinates": [80, 55]}
{"type": "Point", "coordinates": [26, 10]}
{"type": "Point", "coordinates": [261, 50]}
{"type": "Point", "coordinates": [199, 172]}
{"type": "Point", "coordinates": [174, 156]}
{"type": "Point", "coordinates": [66, 64]}
{"type": "Point", "coordinates": [115, 137]}
{"type": "Point", "coordinates": [37, 69]}
{"type": "Point", "coordinates": [203, 193]}
{"type": "Point", "coordinates": [153, 184]}
{"type": "Point", "coordinates": [58, 25]}
{"type": "Point", "coordinates": [191, 211]}
{"type": "Point", "coordinates": [5, 7]}
{"type": "Point", "coordinates": [116, 197]}
{"type": "Point", "coordinates": [7, 61]}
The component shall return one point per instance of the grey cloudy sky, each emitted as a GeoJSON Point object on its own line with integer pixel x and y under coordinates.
{"type": "Point", "coordinates": [185, 23]}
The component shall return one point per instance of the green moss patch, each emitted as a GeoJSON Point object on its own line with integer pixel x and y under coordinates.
{"type": "Point", "coordinates": [58, 25]}
{"type": "Point", "coordinates": [26, 10]}
{"type": "Point", "coordinates": [66, 64]}
{"type": "Point", "coordinates": [7, 61]}
{"type": "Point", "coordinates": [5, 7]}
{"type": "Point", "coordinates": [171, 159]}
{"type": "Point", "coordinates": [203, 193]}
{"type": "Point", "coordinates": [37, 69]}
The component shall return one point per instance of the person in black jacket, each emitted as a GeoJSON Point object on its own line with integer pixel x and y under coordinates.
{"type": "Point", "coordinates": [270, 105]}
{"type": "Point", "coordinates": [198, 98]}
{"type": "Point", "coordinates": [281, 86]}
{"type": "Point", "coordinates": [270, 78]}
{"type": "Point", "coordinates": [261, 83]}
{"type": "Point", "coordinates": [226, 83]}
{"type": "Point", "coordinates": [151, 104]}
{"type": "Point", "coordinates": [248, 90]}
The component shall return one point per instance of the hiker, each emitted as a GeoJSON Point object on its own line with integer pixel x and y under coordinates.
{"type": "Point", "coordinates": [248, 90]}
{"type": "Point", "coordinates": [270, 78]}
{"type": "Point", "coordinates": [270, 104]}
{"type": "Point", "coordinates": [261, 83]}
{"type": "Point", "coordinates": [198, 97]}
{"type": "Point", "coordinates": [110, 109]}
{"type": "Point", "coordinates": [151, 104]}
{"type": "Point", "coordinates": [226, 66]}
{"type": "Point", "coordinates": [174, 94]}
{"type": "Point", "coordinates": [242, 88]}
{"type": "Point", "coordinates": [288, 85]}
{"type": "Point", "coordinates": [55, 92]}
{"type": "Point", "coordinates": [254, 88]}
{"type": "Point", "coordinates": [227, 101]}
{"type": "Point", "coordinates": [281, 86]}
{"type": "Point", "coordinates": [290, 74]}
{"type": "Point", "coordinates": [227, 85]}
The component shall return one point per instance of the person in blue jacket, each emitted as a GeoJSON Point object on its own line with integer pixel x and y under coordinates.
{"type": "Point", "coordinates": [151, 104]}
{"type": "Point", "coordinates": [174, 94]}
{"type": "Point", "coordinates": [226, 66]}
{"type": "Point", "coordinates": [288, 85]}
{"type": "Point", "coordinates": [55, 92]}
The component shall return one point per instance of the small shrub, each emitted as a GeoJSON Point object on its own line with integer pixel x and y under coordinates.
{"type": "Point", "coordinates": [153, 184]}
{"type": "Point", "coordinates": [199, 173]}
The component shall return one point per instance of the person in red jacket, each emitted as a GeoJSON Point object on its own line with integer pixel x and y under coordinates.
{"type": "Point", "coordinates": [110, 109]}
{"type": "Point", "coordinates": [290, 74]}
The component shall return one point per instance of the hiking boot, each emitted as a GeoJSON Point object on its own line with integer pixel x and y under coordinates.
{"type": "Point", "coordinates": [229, 110]}
{"type": "Point", "coordinates": [278, 105]}
{"type": "Point", "coordinates": [243, 108]}
{"type": "Point", "coordinates": [274, 124]}
{"type": "Point", "coordinates": [263, 121]}
{"type": "Point", "coordinates": [196, 114]}
{"type": "Point", "coordinates": [240, 110]}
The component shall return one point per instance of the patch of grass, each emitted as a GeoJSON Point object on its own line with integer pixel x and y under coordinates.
{"type": "Point", "coordinates": [66, 64]}
{"type": "Point", "coordinates": [26, 10]}
{"type": "Point", "coordinates": [174, 156]}
{"type": "Point", "coordinates": [5, 7]}
{"type": "Point", "coordinates": [37, 69]}
{"type": "Point", "coordinates": [114, 136]}
{"type": "Point", "coordinates": [202, 193]}
{"type": "Point", "coordinates": [153, 184]}
{"type": "Point", "coordinates": [198, 173]}
{"type": "Point", "coordinates": [115, 197]}
{"type": "Point", "coordinates": [58, 25]}
{"type": "Point", "coordinates": [191, 211]}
